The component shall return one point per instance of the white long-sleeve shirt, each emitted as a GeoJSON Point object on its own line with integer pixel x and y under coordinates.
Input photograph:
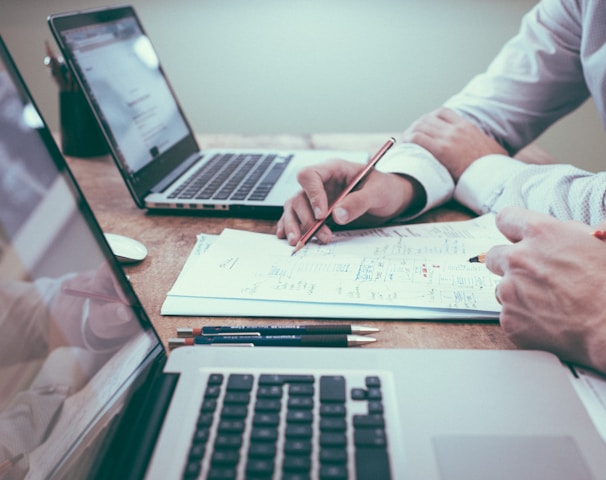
{"type": "Point", "coordinates": [555, 62]}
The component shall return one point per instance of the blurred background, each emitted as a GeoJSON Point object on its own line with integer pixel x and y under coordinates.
{"type": "Point", "coordinates": [310, 66]}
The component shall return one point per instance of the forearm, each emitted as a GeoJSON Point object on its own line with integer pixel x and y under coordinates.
{"type": "Point", "coordinates": [562, 191]}
{"type": "Point", "coordinates": [536, 79]}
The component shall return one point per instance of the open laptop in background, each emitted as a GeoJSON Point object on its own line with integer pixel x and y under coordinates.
{"type": "Point", "coordinates": [148, 134]}
{"type": "Point", "coordinates": [87, 391]}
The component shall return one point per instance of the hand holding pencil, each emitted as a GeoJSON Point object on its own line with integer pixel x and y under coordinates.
{"type": "Point", "coordinates": [344, 192]}
{"type": "Point", "coordinates": [552, 289]}
{"type": "Point", "coordinates": [354, 183]}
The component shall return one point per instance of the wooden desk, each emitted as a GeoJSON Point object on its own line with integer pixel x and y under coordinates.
{"type": "Point", "coordinates": [170, 238]}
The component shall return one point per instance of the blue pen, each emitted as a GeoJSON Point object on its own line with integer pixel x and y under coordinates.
{"type": "Point", "coordinates": [275, 340]}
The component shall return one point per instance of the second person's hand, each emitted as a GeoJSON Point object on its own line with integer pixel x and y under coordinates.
{"type": "Point", "coordinates": [453, 140]}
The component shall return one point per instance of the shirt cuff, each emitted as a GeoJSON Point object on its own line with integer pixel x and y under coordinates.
{"type": "Point", "coordinates": [416, 162]}
{"type": "Point", "coordinates": [482, 183]}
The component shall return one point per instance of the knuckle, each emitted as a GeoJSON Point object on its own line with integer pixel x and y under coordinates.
{"type": "Point", "coordinates": [305, 175]}
{"type": "Point", "coordinates": [507, 290]}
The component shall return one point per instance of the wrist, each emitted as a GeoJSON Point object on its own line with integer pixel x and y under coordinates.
{"type": "Point", "coordinates": [415, 197]}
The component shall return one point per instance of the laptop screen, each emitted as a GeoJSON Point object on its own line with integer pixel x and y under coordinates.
{"type": "Point", "coordinates": [72, 332]}
{"type": "Point", "coordinates": [122, 72]}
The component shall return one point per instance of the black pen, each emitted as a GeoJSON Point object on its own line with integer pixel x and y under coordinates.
{"type": "Point", "coordinates": [275, 340]}
{"type": "Point", "coordinates": [327, 329]}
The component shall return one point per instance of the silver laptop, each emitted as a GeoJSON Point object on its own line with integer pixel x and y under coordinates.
{"type": "Point", "coordinates": [87, 391]}
{"type": "Point", "coordinates": [148, 134]}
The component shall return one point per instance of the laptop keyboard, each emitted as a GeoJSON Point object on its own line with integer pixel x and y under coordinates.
{"type": "Point", "coordinates": [231, 176]}
{"type": "Point", "coordinates": [289, 427]}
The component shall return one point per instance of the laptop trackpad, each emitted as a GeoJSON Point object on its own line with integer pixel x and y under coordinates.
{"type": "Point", "coordinates": [509, 457]}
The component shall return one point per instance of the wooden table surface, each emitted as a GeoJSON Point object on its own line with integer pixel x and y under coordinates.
{"type": "Point", "coordinates": [169, 239]}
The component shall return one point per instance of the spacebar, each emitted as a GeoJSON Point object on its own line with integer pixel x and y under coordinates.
{"type": "Point", "coordinates": [372, 463]}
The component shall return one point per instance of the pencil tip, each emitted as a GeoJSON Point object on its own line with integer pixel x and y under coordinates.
{"type": "Point", "coordinates": [478, 258]}
{"type": "Point", "coordinates": [298, 247]}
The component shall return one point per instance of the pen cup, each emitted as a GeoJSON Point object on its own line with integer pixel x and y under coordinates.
{"type": "Point", "coordinates": [80, 132]}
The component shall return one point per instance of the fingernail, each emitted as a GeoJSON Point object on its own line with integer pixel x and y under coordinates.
{"type": "Point", "coordinates": [291, 237]}
{"type": "Point", "coordinates": [340, 215]}
{"type": "Point", "coordinates": [317, 213]}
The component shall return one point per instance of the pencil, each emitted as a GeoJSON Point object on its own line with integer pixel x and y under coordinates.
{"type": "Point", "coordinates": [352, 185]}
{"type": "Point", "coordinates": [599, 234]}
{"type": "Point", "coordinates": [478, 258]}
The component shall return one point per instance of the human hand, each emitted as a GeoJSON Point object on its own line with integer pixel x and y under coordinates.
{"type": "Point", "coordinates": [453, 140]}
{"type": "Point", "coordinates": [552, 292]}
{"type": "Point", "coordinates": [380, 197]}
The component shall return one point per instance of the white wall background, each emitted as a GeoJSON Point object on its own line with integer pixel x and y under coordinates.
{"type": "Point", "coordinates": [301, 66]}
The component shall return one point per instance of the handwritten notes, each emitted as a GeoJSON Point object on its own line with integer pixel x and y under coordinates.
{"type": "Point", "coordinates": [411, 271]}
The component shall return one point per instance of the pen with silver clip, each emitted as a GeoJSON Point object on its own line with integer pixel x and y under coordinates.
{"type": "Point", "coordinates": [275, 340]}
{"type": "Point", "coordinates": [326, 329]}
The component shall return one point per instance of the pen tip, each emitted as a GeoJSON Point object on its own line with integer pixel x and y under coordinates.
{"type": "Point", "coordinates": [363, 329]}
{"type": "Point", "coordinates": [359, 340]}
{"type": "Point", "coordinates": [178, 342]}
{"type": "Point", "coordinates": [185, 332]}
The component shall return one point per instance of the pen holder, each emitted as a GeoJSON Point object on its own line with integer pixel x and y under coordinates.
{"type": "Point", "coordinates": [80, 132]}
